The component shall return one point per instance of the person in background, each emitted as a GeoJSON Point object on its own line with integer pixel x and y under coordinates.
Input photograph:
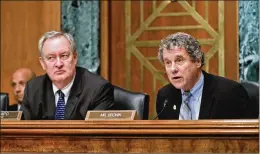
{"type": "Point", "coordinates": [65, 92]}
{"type": "Point", "coordinates": [193, 94]}
{"type": "Point", "coordinates": [19, 79]}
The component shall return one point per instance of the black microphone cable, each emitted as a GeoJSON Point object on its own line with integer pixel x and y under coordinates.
{"type": "Point", "coordinates": [164, 105]}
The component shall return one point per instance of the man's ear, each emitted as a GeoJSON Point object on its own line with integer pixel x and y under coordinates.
{"type": "Point", "coordinates": [198, 63]}
{"type": "Point", "coordinates": [75, 55]}
{"type": "Point", "coordinates": [42, 63]}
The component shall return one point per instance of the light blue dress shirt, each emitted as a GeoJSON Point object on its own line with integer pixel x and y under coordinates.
{"type": "Point", "coordinates": [195, 99]}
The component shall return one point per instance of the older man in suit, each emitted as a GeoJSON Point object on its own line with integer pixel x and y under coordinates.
{"type": "Point", "coordinates": [65, 91]}
{"type": "Point", "coordinates": [192, 93]}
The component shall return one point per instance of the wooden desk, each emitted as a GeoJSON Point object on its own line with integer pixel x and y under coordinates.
{"type": "Point", "coordinates": [131, 136]}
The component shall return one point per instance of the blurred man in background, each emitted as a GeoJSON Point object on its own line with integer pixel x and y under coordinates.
{"type": "Point", "coordinates": [19, 79]}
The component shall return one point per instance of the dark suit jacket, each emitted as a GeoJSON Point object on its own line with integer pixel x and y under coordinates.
{"type": "Point", "coordinates": [221, 99]}
{"type": "Point", "coordinates": [13, 107]}
{"type": "Point", "coordinates": [88, 92]}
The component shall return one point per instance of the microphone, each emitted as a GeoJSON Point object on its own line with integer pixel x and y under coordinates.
{"type": "Point", "coordinates": [165, 104]}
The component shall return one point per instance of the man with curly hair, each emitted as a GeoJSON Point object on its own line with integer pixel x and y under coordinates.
{"type": "Point", "coordinates": [193, 94]}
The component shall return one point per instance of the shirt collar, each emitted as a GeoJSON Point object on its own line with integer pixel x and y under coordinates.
{"type": "Point", "coordinates": [66, 89]}
{"type": "Point", "coordinates": [18, 107]}
{"type": "Point", "coordinates": [196, 88]}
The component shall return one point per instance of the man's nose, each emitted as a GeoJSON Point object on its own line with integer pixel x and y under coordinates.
{"type": "Point", "coordinates": [58, 63]}
{"type": "Point", "coordinates": [17, 89]}
{"type": "Point", "coordinates": [174, 68]}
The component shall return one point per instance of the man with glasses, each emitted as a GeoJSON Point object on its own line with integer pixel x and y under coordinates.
{"type": "Point", "coordinates": [192, 93]}
{"type": "Point", "coordinates": [65, 92]}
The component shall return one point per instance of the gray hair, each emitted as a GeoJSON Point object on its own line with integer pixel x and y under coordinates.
{"type": "Point", "coordinates": [183, 40]}
{"type": "Point", "coordinates": [54, 34]}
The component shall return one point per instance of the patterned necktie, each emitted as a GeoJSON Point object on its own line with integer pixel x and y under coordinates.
{"type": "Point", "coordinates": [60, 109]}
{"type": "Point", "coordinates": [185, 111]}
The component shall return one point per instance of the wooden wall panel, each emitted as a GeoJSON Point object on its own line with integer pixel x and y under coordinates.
{"type": "Point", "coordinates": [104, 39]}
{"type": "Point", "coordinates": [117, 43]}
{"type": "Point", "coordinates": [231, 40]}
{"type": "Point", "coordinates": [22, 24]}
{"type": "Point", "coordinates": [138, 26]}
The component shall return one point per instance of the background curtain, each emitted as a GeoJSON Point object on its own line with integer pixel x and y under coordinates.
{"type": "Point", "coordinates": [81, 19]}
{"type": "Point", "coordinates": [249, 40]}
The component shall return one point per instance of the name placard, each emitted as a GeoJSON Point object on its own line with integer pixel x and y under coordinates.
{"type": "Point", "coordinates": [11, 115]}
{"type": "Point", "coordinates": [111, 115]}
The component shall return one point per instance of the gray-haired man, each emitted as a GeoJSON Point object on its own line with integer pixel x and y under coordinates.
{"type": "Point", "coordinates": [192, 93]}
{"type": "Point", "coordinates": [65, 91]}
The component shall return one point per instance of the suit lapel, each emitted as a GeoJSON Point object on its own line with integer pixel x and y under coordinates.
{"type": "Point", "coordinates": [173, 96]}
{"type": "Point", "coordinates": [48, 102]}
{"type": "Point", "coordinates": [13, 107]}
{"type": "Point", "coordinates": [207, 98]}
{"type": "Point", "coordinates": [16, 107]}
{"type": "Point", "coordinates": [177, 104]}
{"type": "Point", "coordinates": [74, 94]}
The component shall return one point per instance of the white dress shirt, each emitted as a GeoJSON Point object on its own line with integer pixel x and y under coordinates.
{"type": "Point", "coordinates": [65, 90]}
{"type": "Point", "coordinates": [18, 107]}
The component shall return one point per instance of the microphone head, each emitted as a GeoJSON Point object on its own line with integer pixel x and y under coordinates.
{"type": "Point", "coordinates": [165, 103]}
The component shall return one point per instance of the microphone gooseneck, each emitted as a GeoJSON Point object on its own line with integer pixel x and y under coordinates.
{"type": "Point", "coordinates": [165, 103]}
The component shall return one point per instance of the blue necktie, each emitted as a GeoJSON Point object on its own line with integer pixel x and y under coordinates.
{"type": "Point", "coordinates": [60, 109]}
{"type": "Point", "coordinates": [185, 111]}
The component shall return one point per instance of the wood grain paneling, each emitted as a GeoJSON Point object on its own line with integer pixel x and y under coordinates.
{"type": "Point", "coordinates": [22, 24]}
{"type": "Point", "coordinates": [202, 136]}
{"type": "Point", "coordinates": [104, 37]}
{"type": "Point", "coordinates": [129, 144]}
{"type": "Point", "coordinates": [117, 46]}
{"type": "Point", "coordinates": [231, 40]}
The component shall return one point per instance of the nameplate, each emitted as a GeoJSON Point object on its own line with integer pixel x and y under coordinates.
{"type": "Point", "coordinates": [11, 115]}
{"type": "Point", "coordinates": [112, 115]}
